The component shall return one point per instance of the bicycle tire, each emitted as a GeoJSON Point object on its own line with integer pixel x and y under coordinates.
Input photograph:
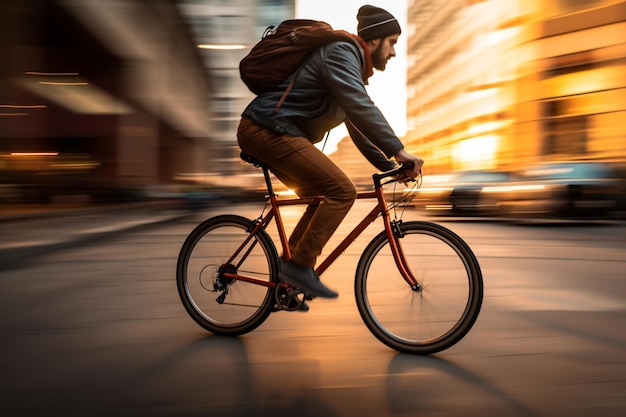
{"type": "Point", "coordinates": [426, 320]}
{"type": "Point", "coordinates": [207, 248]}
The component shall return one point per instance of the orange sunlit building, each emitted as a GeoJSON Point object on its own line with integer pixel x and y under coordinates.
{"type": "Point", "coordinates": [505, 83]}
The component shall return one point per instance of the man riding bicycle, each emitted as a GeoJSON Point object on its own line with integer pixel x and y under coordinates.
{"type": "Point", "coordinates": [328, 89]}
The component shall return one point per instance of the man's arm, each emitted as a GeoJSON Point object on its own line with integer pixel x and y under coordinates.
{"type": "Point", "coordinates": [342, 74]}
{"type": "Point", "coordinates": [343, 77]}
{"type": "Point", "coordinates": [369, 150]}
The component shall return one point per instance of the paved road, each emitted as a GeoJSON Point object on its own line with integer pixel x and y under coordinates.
{"type": "Point", "coordinates": [98, 330]}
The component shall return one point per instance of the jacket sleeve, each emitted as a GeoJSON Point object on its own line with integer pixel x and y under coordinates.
{"type": "Point", "coordinates": [342, 73]}
{"type": "Point", "coordinates": [369, 150]}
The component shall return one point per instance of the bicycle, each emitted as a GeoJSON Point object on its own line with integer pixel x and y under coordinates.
{"type": "Point", "coordinates": [418, 285]}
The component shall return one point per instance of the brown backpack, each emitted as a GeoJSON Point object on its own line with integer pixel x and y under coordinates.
{"type": "Point", "coordinates": [282, 50]}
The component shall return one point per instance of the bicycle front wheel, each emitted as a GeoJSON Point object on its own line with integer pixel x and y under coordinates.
{"type": "Point", "coordinates": [433, 316]}
{"type": "Point", "coordinates": [220, 304]}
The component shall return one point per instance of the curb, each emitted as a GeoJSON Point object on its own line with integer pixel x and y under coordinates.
{"type": "Point", "coordinates": [12, 256]}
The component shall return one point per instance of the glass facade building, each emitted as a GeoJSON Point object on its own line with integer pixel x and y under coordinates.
{"type": "Point", "coordinates": [225, 30]}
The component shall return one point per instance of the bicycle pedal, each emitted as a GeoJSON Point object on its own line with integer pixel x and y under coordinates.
{"type": "Point", "coordinates": [303, 307]}
{"type": "Point", "coordinates": [290, 299]}
{"type": "Point", "coordinates": [295, 305]}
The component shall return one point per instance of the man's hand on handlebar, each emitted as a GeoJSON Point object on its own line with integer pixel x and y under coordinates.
{"type": "Point", "coordinates": [412, 163]}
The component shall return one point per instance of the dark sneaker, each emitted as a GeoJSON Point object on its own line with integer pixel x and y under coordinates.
{"type": "Point", "coordinates": [306, 280]}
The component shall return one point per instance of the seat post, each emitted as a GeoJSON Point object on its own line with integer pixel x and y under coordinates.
{"type": "Point", "coordinates": [268, 180]}
{"type": "Point", "coordinates": [266, 171]}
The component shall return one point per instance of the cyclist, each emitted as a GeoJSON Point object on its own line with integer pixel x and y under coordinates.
{"type": "Point", "coordinates": [329, 89]}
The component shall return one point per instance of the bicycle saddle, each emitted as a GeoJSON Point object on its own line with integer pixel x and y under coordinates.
{"type": "Point", "coordinates": [252, 160]}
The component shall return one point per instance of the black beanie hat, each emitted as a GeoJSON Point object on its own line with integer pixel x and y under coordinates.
{"type": "Point", "coordinates": [375, 22]}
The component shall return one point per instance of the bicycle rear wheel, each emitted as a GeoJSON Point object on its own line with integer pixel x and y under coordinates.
{"type": "Point", "coordinates": [419, 320]}
{"type": "Point", "coordinates": [219, 304]}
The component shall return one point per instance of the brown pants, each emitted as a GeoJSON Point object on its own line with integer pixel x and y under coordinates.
{"type": "Point", "coordinates": [306, 170]}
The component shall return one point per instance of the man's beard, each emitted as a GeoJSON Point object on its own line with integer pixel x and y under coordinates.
{"type": "Point", "coordinates": [379, 61]}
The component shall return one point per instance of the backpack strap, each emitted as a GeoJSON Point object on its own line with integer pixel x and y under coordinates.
{"type": "Point", "coordinates": [285, 94]}
{"type": "Point", "coordinates": [291, 84]}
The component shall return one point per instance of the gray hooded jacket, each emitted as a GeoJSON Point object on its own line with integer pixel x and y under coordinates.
{"type": "Point", "coordinates": [329, 90]}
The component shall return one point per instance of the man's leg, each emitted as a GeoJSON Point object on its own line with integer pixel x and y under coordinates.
{"type": "Point", "coordinates": [301, 227]}
{"type": "Point", "coordinates": [304, 168]}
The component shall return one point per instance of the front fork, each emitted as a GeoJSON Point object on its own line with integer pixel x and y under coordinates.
{"type": "Point", "coordinates": [398, 254]}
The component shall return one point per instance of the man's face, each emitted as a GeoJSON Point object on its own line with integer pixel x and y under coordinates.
{"type": "Point", "coordinates": [383, 51]}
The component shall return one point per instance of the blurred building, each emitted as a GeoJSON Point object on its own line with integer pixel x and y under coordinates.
{"type": "Point", "coordinates": [225, 31]}
{"type": "Point", "coordinates": [102, 97]}
{"type": "Point", "coordinates": [98, 97]}
{"type": "Point", "coordinates": [505, 83]}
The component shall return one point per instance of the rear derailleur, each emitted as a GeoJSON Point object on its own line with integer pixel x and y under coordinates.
{"type": "Point", "coordinates": [221, 283]}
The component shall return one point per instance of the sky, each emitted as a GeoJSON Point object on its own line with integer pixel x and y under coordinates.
{"type": "Point", "coordinates": [388, 88]}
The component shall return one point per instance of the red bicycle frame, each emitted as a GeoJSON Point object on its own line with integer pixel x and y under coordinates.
{"type": "Point", "coordinates": [380, 209]}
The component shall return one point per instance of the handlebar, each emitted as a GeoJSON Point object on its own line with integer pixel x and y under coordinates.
{"type": "Point", "coordinates": [378, 177]}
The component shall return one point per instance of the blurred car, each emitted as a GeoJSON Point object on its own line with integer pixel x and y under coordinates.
{"type": "Point", "coordinates": [460, 193]}
{"type": "Point", "coordinates": [559, 190]}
